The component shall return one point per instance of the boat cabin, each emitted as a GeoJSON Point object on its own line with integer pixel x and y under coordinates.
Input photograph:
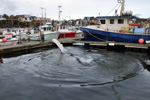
{"type": "Point", "coordinates": [46, 27]}
{"type": "Point", "coordinates": [49, 27]}
{"type": "Point", "coordinates": [114, 23]}
{"type": "Point", "coordinates": [61, 27]}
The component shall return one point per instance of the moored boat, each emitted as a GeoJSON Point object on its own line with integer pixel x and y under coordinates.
{"type": "Point", "coordinates": [116, 28]}
{"type": "Point", "coordinates": [64, 31]}
{"type": "Point", "coordinates": [46, 31]}
{"type": "Point", "coordinates": [67, 34]}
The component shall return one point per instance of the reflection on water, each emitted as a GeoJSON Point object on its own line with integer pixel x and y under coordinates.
{"type": "Point", "coordinates": [53, 75]}
{"type": "Point", "coordinates": [1, 59]}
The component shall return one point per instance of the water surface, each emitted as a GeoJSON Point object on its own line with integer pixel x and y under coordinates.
{"type": "Point", "coordinates": [79, 74]}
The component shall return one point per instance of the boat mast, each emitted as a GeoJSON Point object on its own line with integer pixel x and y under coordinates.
{"type": "Point", "coordinates": [59, 12]}
{"type": "Point", "coordinates": [42, 12]}
{"type": "Point", "coordinates": [45, 13]}
{"type": "Point", "coordinates": [122, 6]}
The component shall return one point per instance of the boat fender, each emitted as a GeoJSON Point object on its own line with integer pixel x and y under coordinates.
{"type": "Point", "coordinates": [38, 38]}
{"type": "Point", "coordinates": [4, 40]}
{"type": "Point", "coordinates": [147, 42]}
{"type": "Point", "coordinates": [141, 40]}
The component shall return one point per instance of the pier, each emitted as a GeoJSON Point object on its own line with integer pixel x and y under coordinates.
{"type": "Point", "coordinates": [33, 45]}
{"type": "Point", "coordinates": [118, 47]}
{"type": "Point", "coordinates": [110, 46]}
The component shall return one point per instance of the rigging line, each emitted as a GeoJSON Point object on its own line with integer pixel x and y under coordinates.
{"type": "Point", "coordinates": [112, 9]}
{"type": "Point", "coordinates": [94, 35]}
{"type": "Point", "coordinates": [119, 6]}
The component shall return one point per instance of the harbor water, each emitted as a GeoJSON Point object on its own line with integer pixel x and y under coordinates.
{"type": "Point", "coordinates": [78, 74]}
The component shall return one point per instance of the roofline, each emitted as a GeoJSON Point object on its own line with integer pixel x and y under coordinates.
{"type": "Point", "coordinates": [100, 17]}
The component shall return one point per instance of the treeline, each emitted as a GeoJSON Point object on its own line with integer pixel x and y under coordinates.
{"type": "Point", "coordinates": [10, 23]}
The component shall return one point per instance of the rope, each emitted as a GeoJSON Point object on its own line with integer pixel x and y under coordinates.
{"type": "Point", "coordinates": [112, 9]}
{"type": "Point", "coordinates": [94, 35]}
{"type": "Point", "coordinates": [119, 7]}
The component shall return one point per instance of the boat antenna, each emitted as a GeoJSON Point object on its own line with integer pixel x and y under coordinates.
{"type": "Point", "coordinates": [122, 7]}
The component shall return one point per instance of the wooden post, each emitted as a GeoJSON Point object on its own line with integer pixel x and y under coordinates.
{"type": "Point", "coordinates": [148, 51]}
{"type": "Point", "coordinates": [110, 46]}
{"type": "Point", "coordinates": [87, 45]}
{"type": "Point", "coordinates": [119, 48]}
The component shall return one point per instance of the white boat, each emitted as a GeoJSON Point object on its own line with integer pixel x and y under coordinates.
{"type": "Point", "coordinates": [47, 31]}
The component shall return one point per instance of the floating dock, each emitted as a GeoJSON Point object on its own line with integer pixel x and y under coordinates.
{"type": "Point", "coordinates": [110, 46]}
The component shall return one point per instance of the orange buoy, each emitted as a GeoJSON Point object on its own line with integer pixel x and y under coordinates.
{"type": "Point", "coordinates": [141, 40]}
{"type": "Point", "coordinates": [38, 38]}
{"type": "Point", "coordinates": [4, 40]}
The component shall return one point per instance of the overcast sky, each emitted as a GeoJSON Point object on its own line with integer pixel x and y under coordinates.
{"type": "Point", "coordinates": [72, 9]}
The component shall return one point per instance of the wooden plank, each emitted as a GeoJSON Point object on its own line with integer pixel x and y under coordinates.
{"type": "Point", "coordinates": [127, 45]}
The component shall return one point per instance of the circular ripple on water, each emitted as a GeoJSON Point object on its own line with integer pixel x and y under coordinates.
{"type": "Point", "coordinates": [77, 67]}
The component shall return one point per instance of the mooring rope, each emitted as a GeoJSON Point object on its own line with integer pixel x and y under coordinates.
{"type": "Point", "coordinates": [94, 35]}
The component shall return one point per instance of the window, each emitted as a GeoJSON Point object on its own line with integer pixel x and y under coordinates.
{"type": "Point", "coordinates": [49, 28]}
{"type": "Point", "coordinates": [25, 18]}
{"type": "Point", "coordinates": [44, 29]}
{"type": "Point", "coordinates": [111, 21]}
{"type": "Point", "coordinates": [120, 21]}
{"type": "Point", "coordinates": [102, 21]}
{"type": "Point", "coordinates": [61, 27]}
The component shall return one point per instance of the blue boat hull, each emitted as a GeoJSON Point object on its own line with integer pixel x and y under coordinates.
{"type": "Point", "coordinates": [98, 35]}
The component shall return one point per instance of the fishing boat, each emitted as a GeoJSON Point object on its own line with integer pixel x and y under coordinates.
{"type": "Point", "coordinates": [118, 28]}
{"type": "Point", "coordinates": [47, 31]}
{"type": "Point", "coordinates": [64, 31]}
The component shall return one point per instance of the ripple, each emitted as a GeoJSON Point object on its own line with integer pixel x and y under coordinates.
{"type": "Point", "coordinates": [84, 67]}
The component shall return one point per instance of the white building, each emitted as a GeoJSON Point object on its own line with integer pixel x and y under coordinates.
{"type": "Point", "coordinates": [27, 18]}
{"type": "Point", "coordinates": [1, 18]}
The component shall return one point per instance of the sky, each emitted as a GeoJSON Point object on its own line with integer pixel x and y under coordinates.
{"type": "Point", "coordinates": [72, 9]}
